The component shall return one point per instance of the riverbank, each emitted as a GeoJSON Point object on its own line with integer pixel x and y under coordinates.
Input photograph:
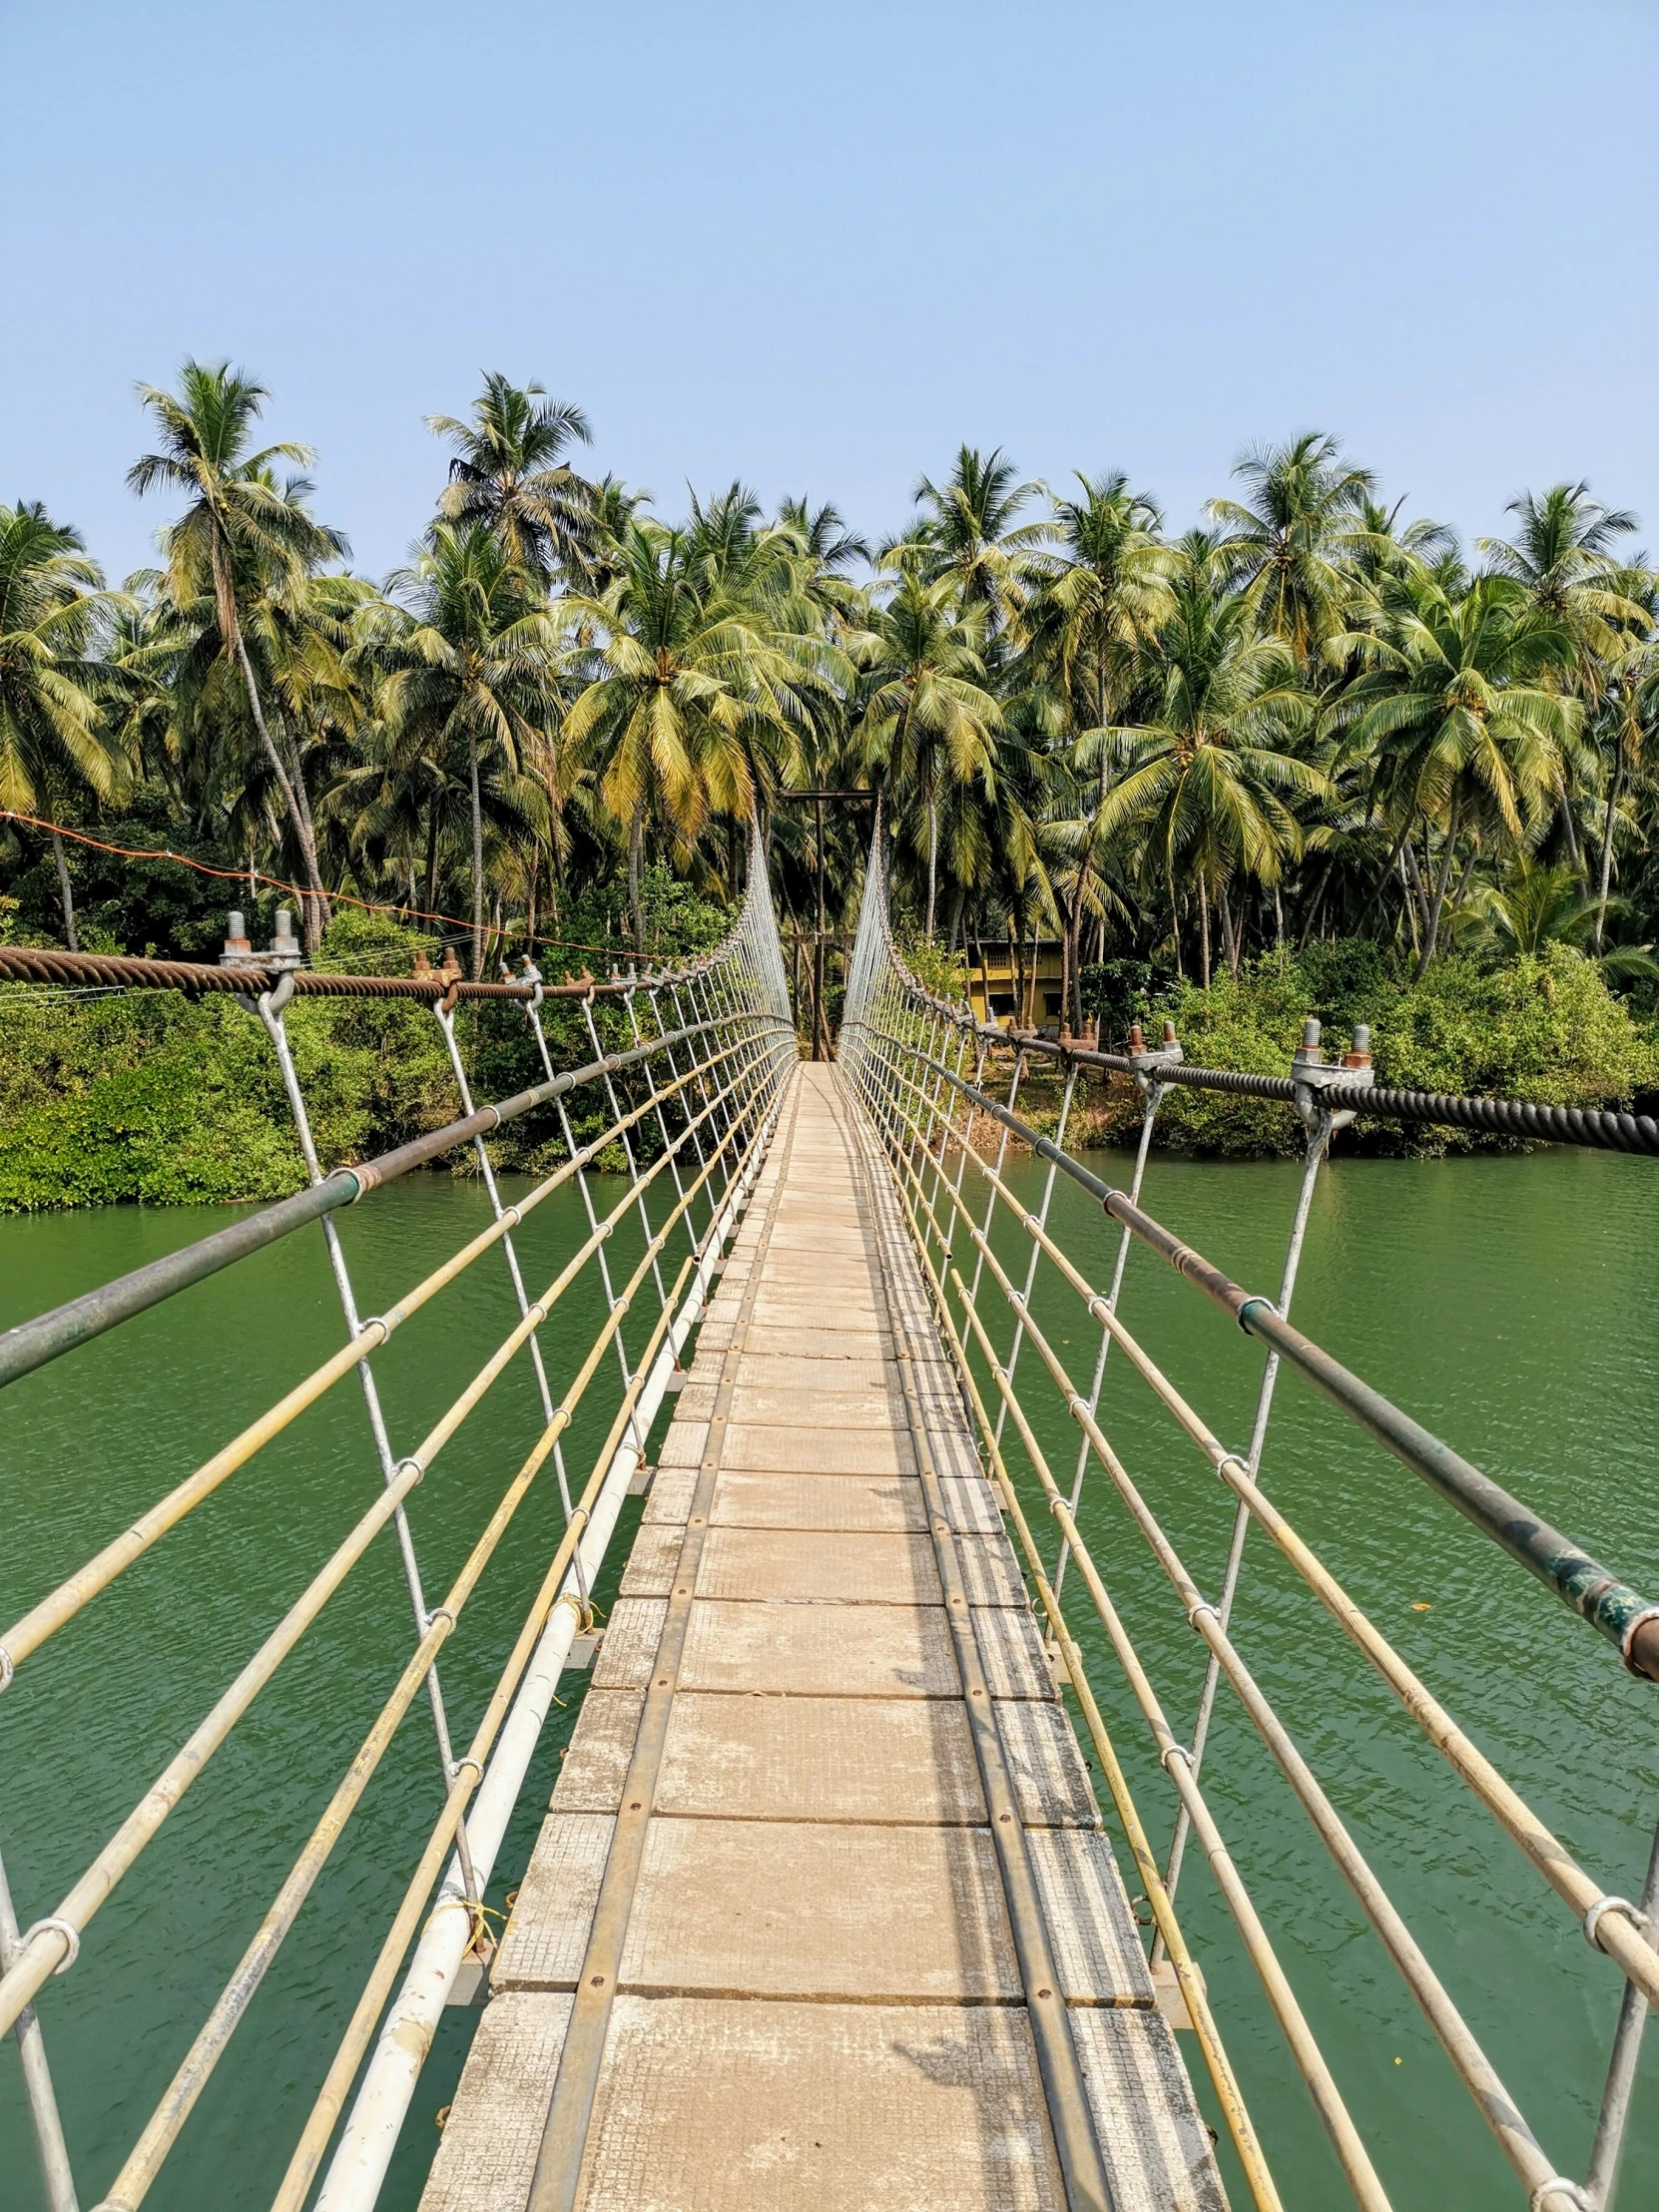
{"type": "Point", "coordinates": [148, 1098]}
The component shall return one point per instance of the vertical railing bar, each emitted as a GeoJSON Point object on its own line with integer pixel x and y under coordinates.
{"type": "Point", "coordinates": [1036, 1248]}
{"type": "Point", "coordinates": [661, 1120]}
{"type": "Point", "coordinates": [56, 2170]}
{"type": "Point", "coordinates": [445, 1018]}
{"type": "Point", "coordinates": [1152, 1094]}
{"type": "Point", "coordinates": [1621, 2068]}
{"type": "Point", "coordinates": [1318, 1145]}
{"type": "Point", "coordinates": [269, 1006]}
{"type": "Point", "coordinates": [627, 1138]}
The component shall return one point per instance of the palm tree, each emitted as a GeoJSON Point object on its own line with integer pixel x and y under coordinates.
{"type": "Point", "coordinates": [1544, 907]}
{"type": "Point", "coordinates": [695, 697]}
{"type": "Point", "coordinates": [51, 731]}
{"type": "Point", "coordinates": [967, 532]}
{"type": "Point", "coordinates": [473, 676]}
{"type": "Point", "coordinates": [1458, 718]}
{"type": "Point", "coordinates": [1562, 557]}
{"type": "Point", "coordinates": [926, 714]}
{"type": "Point", "coordinates": [241, 533]}
{"type": "Point", "coordinates": [1209, 774]}
{"type": "Point", "coordinates": [1286, 540]}
{"type": "Point", "coordinates": [509, 472]}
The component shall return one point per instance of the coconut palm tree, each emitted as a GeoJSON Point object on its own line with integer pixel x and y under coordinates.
{"type": "Point", "coordinates": [1286, 540]}
{"type": "Point", "coordinates": [471, 677]}
{"type": "Point", "coordinates": [509, 471]}
{"type": "Point", "coordinates": [52, 735]}
{"type": "Point", "coordinates": [1458, 716]}
{"type": "Point", "coordinates": [926, 715]}
{"type": "Point", "coordinates": [968, 531]}
{"type": "Point", "coordinates": [239, 534]}
{"type": "Point", "coordinates": [1562, 557]}
{"type": "Point", "coordinates": [1210, 781]}
{"type": "Point", "coordinates": [695, 701]}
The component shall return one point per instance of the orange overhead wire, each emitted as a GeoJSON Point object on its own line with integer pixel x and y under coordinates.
{"type": "Point", "coordinates": [244, 875]}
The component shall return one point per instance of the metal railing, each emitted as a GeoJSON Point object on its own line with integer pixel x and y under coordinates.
{"type": "Point", "coordinates": [712, 1043]}
{"type": "Point", "coordinates": [920, 1067]}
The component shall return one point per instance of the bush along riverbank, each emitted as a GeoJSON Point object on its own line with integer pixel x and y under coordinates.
{"type": "Point", "coordinates": [152, 1098]}
{"type": "Point", "coordinates": [1545, 1027]}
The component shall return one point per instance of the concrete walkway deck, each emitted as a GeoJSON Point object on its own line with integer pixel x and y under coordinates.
{"type": "Point", "coordinates": [807, 1966]}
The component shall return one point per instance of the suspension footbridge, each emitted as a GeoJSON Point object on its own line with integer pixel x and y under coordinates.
{"type": "Point", "coordinates": [843, 1897]}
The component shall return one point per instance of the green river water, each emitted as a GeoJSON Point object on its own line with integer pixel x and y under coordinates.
{"type": "Point", "coordinates": [1509, 1302]}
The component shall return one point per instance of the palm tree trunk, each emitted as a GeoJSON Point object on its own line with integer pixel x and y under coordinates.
{"type": "Point", "coordinates": [66, 893]}
{"type": "Point", "coordinates": [1229, 934]}
{"type": "Point", "coordinates": [932, 861]}
{"type": "Point", "coordinates": [302, 827]}
{"type": "Point", "coordinates": [1441, 882]}
{"type": "Point", "coordinates": [477, 857]}
{"type": "Point", "coordinates": [636, 876]}
{"type": "Point", "coordinates": [1607, 846]}
{"type": "Point", "coordinates": [432, 859]}
{"type": "Point", "coordinates": [1204, 927]}
{"type": "Point", "coordinates": [1568, 825]}
{"type": "Point", "coordinates": [959, 901]}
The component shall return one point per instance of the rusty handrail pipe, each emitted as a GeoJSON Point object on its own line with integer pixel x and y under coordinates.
{"type": "Point", "coordinates": [32, 1344]}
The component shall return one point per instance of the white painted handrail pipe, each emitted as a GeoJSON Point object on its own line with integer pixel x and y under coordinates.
{"type": "Point", "coordinates": [359, 2164]}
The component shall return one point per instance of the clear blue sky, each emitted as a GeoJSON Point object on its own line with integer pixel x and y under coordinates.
{"type": "Point", "coordinates": [815, 248]}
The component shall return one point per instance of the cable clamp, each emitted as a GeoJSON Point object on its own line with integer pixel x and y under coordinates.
{"type": "Point", "coordinates": [1622, 1906]}
{"type": "Point", "coordinates": [1559, 2186]}
{"type": "Point", "coordinates": [375, 1320]}
{"type": "Point", "coordinates": [1647, 1614]}
{"type": "Point", "coordinates": [411, 1462]}
{"type": "Point", "coordinates": [1080, 1407]}
{"type": "Point", "coordinates": [1194, 1612]}
{"type": "Point", "coordinates": [440, 1613]}
{"type": "Point", "coordinates": [66, 1929]}
{"type": "Point", "coordinates": [1233, 1460]}
{"type": "Point", "coordinates": [1175, 1750]}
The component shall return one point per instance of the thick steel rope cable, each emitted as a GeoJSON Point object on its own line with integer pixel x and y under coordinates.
{"type": "Point", "coordinates": [1548, 1855]}
{"type": "Point", "coordinates": [53, 1943]}
{"type": "Point", "coordinates": [140, 2167]}
{"type": "Point", "coordinates": [59, 1606]}
{"type": "Point", "coordinates": [1602, 1129]}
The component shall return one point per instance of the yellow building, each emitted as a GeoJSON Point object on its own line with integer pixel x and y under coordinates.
{"type": "Point", "coordinates": [1020, 980]}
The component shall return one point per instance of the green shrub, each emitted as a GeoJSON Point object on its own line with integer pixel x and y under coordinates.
{"type": "Point", "coordinates": [1545, 1028]}
{"type": "Point", "coordinates": [150, 1098]}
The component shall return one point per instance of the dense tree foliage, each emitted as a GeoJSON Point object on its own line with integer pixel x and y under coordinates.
{"type": "Point", "coordinates": [1308, 721]}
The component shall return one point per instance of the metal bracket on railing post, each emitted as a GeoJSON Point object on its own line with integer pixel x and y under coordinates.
{"type": "Point", "coordinates": [1311, 1073]}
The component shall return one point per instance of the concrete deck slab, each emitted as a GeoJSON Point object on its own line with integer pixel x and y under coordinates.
{"type": "Point", "coordinates": [819, 2001]}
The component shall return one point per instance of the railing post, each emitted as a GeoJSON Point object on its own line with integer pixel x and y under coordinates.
{"type": "Point", "coordinates": [1152, 1093]}
{"type": "Point", "coordinates": [269, 1006]}
{"type": "Point", "coordinates": [37, 2075]}
{"type": "Point", "coordinates": [1313, 1076]}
